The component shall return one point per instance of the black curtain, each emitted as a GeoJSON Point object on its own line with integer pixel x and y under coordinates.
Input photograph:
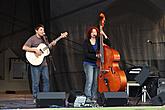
{"type": "Point", "coordinates": [75, 17]}
{"type": "Point", "coordinates": [129, 24]}
{"type": "Point", "coordinates": [39, 13]}
{"type": "Point", "coordinates": [132, 27]}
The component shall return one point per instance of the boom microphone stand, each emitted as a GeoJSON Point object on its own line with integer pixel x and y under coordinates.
{"type": "Point", "coordinates": [49, 58]}
{"type": "Point", "coordinates": [150, 49]}
{"type": "Point", "coordinates": [52, 62]}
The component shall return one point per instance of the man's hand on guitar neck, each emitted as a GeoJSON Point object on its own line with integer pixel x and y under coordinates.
{"type": "Point", "coordinates": [53, 43]}
{"type": "Point", "coordinates": [63, 35]}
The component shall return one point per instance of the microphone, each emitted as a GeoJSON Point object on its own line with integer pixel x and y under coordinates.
{"type": "Point", "coordinates": [95, 35]}
{"type": "Point", "coordinates": [45, 39]}
{"type": "Point", "coordinates": [149, 41]}
{"type": "Point", "coordinates": [44, 36]}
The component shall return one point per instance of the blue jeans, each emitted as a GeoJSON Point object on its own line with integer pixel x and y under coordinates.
{"type": "Point", "coordinates": [91, 73]}
{"type": "Point", "coordinates": [36, 72]}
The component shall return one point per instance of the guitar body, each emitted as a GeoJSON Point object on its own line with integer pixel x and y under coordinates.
{"type": "Point", "coordinates": [37, 60]}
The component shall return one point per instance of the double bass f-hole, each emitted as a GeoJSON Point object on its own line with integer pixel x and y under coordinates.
{"type": "Point", "coordinates": [113, 72]}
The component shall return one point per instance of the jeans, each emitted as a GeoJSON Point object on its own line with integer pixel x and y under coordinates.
{"type": "Point", "coordinates": [91, 73]}
{"type": "Point", "coordinates": [36, 73]}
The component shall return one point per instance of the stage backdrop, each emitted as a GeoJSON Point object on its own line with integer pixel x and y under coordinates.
{"type": "Point", "coordinates": [136, 28]}
{"type": "Point", "coordinates": [131, 29]}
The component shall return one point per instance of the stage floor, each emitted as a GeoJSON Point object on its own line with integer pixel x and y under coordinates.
{"type": "Point", "coordinates": [16, 101]}
{"type": "Point", "coordinates": [25, 101]}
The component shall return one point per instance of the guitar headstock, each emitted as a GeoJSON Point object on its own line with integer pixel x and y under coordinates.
{"type": "Point", "coordinates": [64, 35]}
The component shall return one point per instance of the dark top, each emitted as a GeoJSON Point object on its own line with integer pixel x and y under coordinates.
{"type": "Point", "coordinates": [90, 53]}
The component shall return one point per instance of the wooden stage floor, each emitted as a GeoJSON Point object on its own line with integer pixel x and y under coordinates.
{"type": "Point", "coordinates": [16, 101]}
{"type": "Point", "coordinates": [25, 101]}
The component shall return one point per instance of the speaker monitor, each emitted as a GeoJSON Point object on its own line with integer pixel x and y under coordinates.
{"type": "Point", "coordinates": [114, 98]}
{"type": "Point", "coordinates": [144, 74]}
{"type": "Point", "coordinates": [160, 89]}
{"type": "Point", "coordinates": [48, 99]}
{"type": "Point", "coordinates": [159, 99]}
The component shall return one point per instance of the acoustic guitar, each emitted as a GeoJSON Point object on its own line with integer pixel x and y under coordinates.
{"type": "Point", "coordinates": [37, 60]}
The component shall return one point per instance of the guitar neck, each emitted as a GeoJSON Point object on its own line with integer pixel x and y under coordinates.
{"type": "Point", "coordinates": [101, 47]}
{"type": "Point", "coordinates": [55, 41]}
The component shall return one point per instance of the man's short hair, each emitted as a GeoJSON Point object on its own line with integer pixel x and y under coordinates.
{"type": "Point", "coordinates": [38, 26]}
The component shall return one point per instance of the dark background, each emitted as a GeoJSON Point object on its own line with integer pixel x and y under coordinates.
{"type": "Point", "coordinates": [129, 24]}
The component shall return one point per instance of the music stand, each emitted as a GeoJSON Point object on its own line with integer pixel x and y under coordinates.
{"type": "Point", "coordinates": [141, 79]}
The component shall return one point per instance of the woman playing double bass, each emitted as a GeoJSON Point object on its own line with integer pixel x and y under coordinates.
{"type": "Point", "coordinates": [91, 46]}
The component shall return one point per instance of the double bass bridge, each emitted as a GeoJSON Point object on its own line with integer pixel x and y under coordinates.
{"type": "Point", "coordinates": [105, 71]}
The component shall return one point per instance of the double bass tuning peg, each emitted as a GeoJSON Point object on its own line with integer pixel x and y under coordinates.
{"type": "Point", "coordinates": [102, 15]}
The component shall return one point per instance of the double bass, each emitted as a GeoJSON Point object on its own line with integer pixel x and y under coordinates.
{"type": "Point", "coordinates": [111, 78]}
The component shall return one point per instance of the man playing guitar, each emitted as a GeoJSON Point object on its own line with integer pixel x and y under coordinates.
{"type": "Point", "coordinates": [37, 47]}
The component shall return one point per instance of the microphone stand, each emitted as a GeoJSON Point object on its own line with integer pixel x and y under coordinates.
{"type": "Point", "coordinates": [150, 49]}
{"type": "Point", "coordinates": [156, 42]}
{"type": "Point", "coordinates": [149, 53]}
{"type": "Point", "coordinates": [50, 56]}
{"type": "Point", "coordinates": [50, 61]}
{"type": "Point", "coordinates": [52, 69]}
